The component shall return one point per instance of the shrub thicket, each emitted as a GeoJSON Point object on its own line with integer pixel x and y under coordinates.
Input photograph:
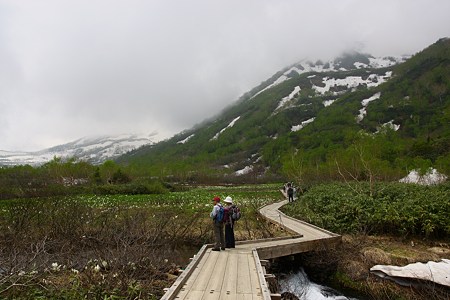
{"type": "Point", "coordinates": [384, 208]}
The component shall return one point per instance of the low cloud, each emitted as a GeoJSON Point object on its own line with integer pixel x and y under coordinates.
{"type": "Point", "coordinates": [80, 68]}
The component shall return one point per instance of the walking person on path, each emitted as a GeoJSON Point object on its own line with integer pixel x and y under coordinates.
{"type": "Point", "coordinates": [290, 192]}
{"type": "Point", "coordinates": [229, 222]}
{"type": "Point", "coordinates": [217, 215]}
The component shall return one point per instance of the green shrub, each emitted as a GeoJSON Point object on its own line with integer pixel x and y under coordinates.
{"type": "Point", "coordinates": [392, 208]}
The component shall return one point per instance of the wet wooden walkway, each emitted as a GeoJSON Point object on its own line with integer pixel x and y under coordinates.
{"type": "Point", "coordinates": [238, 273]}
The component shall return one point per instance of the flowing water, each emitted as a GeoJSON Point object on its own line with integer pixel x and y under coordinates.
{"type": "Point", "coordinates": [299, 284]}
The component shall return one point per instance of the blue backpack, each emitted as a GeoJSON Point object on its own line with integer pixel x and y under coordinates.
{"type": "Point", "coordinates": [220, 213]}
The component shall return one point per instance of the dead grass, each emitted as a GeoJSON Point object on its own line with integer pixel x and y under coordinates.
{"type": "Point", "coordinates": [56, 249]}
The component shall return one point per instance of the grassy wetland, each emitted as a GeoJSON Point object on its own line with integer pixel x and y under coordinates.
{"type": "Point", "coordinates": [113, 246]}
{"type": "Point", "coordinates": [133, 246]}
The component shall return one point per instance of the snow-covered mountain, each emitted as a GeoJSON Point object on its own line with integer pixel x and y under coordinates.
{"type": "Point", "coordinates": [92, 149]}
{"type": "Point", "coordinates": [253, 135]}
{"type": "Point", "coordinates": [346, 62]}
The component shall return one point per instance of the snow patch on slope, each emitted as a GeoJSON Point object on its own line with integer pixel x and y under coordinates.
{"type": "Point", "coordinates": [279, 80]}
{"type": "Point", "coordinates": [390, 125]}
{"type": "Point", "coordinates": [302, 125]}
{"type": "Point", "coordinates": [360, 65]}
{"type": "Point", "coordinates": [349, 82]}
{"type": "Point", "coordinates": [288, 98]}
{"type": "Point", "coordinates": [228, 126]}
{"type": "Point", "coordinates": [365, 102]}
{"type": "Point", "coordinates": [186, 139]}
{"type": "Point", "coordinates": [244, 171]}
{"type": "Point", "coordinates": [328, 102]}
{"type": "Point", "coordinates": [333, 66]}
{"type": "Point", "coordinates": [383, 62]}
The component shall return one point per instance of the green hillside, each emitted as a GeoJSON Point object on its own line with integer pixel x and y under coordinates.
{"type": "Point", "coordinates": [406, 127]}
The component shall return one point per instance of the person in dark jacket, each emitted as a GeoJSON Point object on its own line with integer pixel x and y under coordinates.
{"type": "Point", "coordinates": [290, 192]}
{"type": "Point", "coordinates": [229, 223]}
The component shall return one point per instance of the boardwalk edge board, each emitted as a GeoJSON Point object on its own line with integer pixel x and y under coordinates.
{"type": "Point", "coordinates": [181, 280]}
{"type": "Point", "coordinates": [262, 280]}
{"type": "Point", "coordinates": [269, 239]}
{"type": "Point", "coordinates": [287, 229]}
{"type": "Point", "coordinates": [310, 225]}
{"type": "Point", "coordinates": [270, 252]}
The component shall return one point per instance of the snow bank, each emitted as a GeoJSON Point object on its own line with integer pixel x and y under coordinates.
{"type": "Point", "coordinates": [408, 275]}
{"type": "Point", "coordinates": [373, 80]}
{"type": "Point", "coordinates": [288, 98]}
{"type": "Point", "coordinates": [432, 176]}
{"type": "Point", "coordinates": [186, 139]}
{"type": "Point", "coordinates": [365, 102]}
{"type": "Point", "coordinates": [228, 126]}
{"type": "Point", "coordinates": [244, 171]}
{"type": "Point", "coordinates": [302, 125]}
{"type": "Point", "coordinates": [279, 80]}
{"type": "Point", "coordinates": [390, 125]}
{"type": "Point", "coordinates": [305, 67]}
{"type": "Point", "coordinates": [328, 102]}
{"type": "Point", "coordinates": [360, 65]}
{"type": "Point", "coordinates": [383, 62]}
{"type": "Point", "coordinates": [351, 82]}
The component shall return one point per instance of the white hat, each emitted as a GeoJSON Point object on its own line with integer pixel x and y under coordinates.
{"type": "Point", "coordinates": [228, 200]}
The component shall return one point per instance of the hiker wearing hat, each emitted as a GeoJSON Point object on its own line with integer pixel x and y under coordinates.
{"type": "Point", "coordinates": [229, 223]}
{"type": "Point", "coordinates": [217, 215]}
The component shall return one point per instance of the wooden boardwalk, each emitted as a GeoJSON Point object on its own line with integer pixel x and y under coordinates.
{"type": "Point", "coordinates": [238, 273]}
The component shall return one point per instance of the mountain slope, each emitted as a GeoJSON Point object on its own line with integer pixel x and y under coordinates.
{"type": "Point", "coordinates": [93, 150]}
{"type": "Point", "coordinates": [318, 108]}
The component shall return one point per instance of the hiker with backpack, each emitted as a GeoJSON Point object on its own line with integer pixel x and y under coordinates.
{"type": "Point", "coordinates": [290, 192]}
{"type": "Point", "coordinates": [232, 214]}
{"type": "Point", "coordinates": [217, 215]}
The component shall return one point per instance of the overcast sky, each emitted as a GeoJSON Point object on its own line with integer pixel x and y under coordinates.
{"type": "Point", "coordinates": [75, 68]}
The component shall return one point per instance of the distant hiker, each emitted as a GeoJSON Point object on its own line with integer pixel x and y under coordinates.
{"type": "Point", "coordinates": [217, 215]}
{"type": "Point", "coordinates": [232, 214]}
{"type": "Point", "coordinates": [290, 192]}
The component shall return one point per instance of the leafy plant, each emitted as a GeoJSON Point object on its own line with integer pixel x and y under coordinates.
{"type": "Point", "coordinates": [390, 208]}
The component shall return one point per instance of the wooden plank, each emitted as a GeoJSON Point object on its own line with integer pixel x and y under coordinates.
{"type": "Point", "coordinates": [246, 297]}
{"type": "Point", "coordinates": [188, 285]}
{"type": "Point", "coordinates": [304, 224]}
{"type": "Point", "coordinates": [217, 277]}
{"type": "Point", "coordinates": [245, 243]}
{"type": "Point", "coordinates": [229, 285]}
{"type": "Point", "coordinates": [211, 295]}
{"type": "Point", "coordinates": [181, 280]}
{"type": "Point", "coordinates": [202, 280]}
{"type": "Point", "coordinates": [264, 288]}
{"type": "Point", "coordinates": [274, 251]}
{"type": "Point", "coordinates": [256, 287]}
{"type": "Point", "coordinates": [194, 295]}
{"type": "Point", "coordinates": [244, 285]}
